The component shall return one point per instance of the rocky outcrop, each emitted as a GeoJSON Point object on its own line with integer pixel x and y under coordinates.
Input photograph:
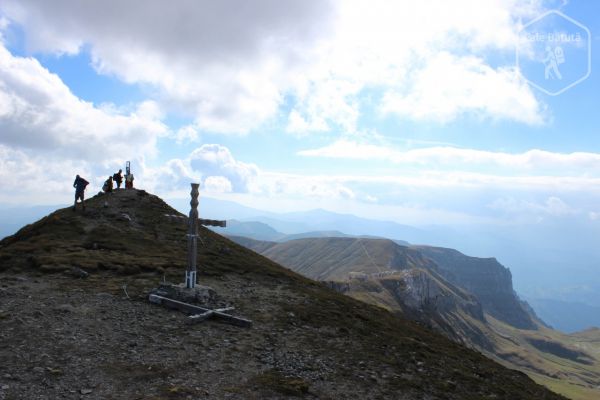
{"type": "Point", "coordinates": [487, 279]}
{"type": "Point", "coordinates": [337, 259]}
{"type": "Point", "coordinates": [423, 296]}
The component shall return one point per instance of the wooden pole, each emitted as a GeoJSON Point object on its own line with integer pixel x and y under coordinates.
{"type": "Point", "coordinates": [200, 313]}
{"type": "Point", "coordinates": [190, 273]}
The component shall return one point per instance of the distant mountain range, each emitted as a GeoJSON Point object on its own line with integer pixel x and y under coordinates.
{"type": "Point", "coordinates": [548, 260]}
{"type": "Point", "coordinates": [262, 231]}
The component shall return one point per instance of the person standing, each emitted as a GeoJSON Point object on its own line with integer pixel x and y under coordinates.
{"type": "Point", "coordinates": [129, 181]}
{"type": "Point", "coordinates": [118, 178]}
{"type": "Point", "coordinates": [79, 185]}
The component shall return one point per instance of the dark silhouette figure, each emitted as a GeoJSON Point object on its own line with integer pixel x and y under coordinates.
{"type": "Point", "coordinates": [79, 185]}
{"type": "Point", "coordinates": [118, 178]}
{"type": "Point", "coordinates": [108, 185]}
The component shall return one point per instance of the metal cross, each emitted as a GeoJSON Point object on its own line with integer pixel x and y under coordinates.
{"type": "Point", "coordinates": [190, 273]}
{"type": "Point", "coordinates": [192, 235]}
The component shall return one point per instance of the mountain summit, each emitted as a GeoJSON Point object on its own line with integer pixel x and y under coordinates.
{"type": "Point", "coordinates": [75, 321]}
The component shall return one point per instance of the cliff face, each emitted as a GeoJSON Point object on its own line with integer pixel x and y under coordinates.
{"type": "Point", "coordinates": [341, 258]}
{"type": "Point", "coordinates": [423, 296]}
{"type": "Point", "coordinates": [487, 279]}
{"type": "Point", "coordinates": [470, 300]}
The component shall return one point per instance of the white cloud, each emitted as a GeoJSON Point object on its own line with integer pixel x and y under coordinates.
{"type": "Point", "coordinates": [186, 134]}
{"type": "Point", "coordinates": [553, 206]}
{"type": "Point", "coordinates": [217, 160]}
{"type": "Point", "coordinates": [233, 66]}
{"type": "Point", "coordinates": [450, 86]}
{"type": "Point", "coordinates": [224, 62]}
{"type": "Point", "coordinates": [429, 58]}
{"type": "Point", "coordinates": [217, 184]}
{"type": "Point", "coordinates": [47, 134]}
{"type": "Point", "coordinates": [532, 161]}
{"type": "Point", "coordinates": [39, 112]}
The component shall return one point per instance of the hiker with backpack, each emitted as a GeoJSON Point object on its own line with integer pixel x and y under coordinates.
{"type": "Point", "coordinates": [79, 185]}
{"type": "Point", "coordinates": [108, 185]}
{"type": "Point", "coordinates": [118, 178]}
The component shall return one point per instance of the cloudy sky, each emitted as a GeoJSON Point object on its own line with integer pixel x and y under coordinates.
{"type": "Point", "coordinates": [415, 111]}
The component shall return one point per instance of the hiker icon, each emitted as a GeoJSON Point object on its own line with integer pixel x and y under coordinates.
{"type": "Point", "coordinates": [554, 57]}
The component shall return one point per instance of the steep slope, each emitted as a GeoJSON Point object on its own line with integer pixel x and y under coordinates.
{"type": "Point", "coordinates": [487, 279]}
{"type": "Point", "coordinates": [64, 336]}
{"type": "Point", "coordinates": [433, 295]}
{"type": "Point", "coordinates": [423, 296]}
{"type": "Point", "coordinates": [335, 258]}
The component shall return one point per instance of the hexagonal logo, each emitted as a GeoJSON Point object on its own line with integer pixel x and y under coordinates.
{"type": "Point", "coordinates": [554, 52]}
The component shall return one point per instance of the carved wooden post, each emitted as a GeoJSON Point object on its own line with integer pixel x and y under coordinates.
{"type": "Point", "coordinates": [190, 273]}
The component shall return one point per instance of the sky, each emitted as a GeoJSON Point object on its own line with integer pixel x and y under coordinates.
{"type": "Point", "coordinates": [420, 112]}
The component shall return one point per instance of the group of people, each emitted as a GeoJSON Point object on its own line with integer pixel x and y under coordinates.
{"type": "Point", "coordinates": [80, 185]}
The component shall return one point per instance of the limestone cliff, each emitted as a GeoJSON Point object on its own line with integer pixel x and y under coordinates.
{"type": "Point", "coordinates": [487, 279]}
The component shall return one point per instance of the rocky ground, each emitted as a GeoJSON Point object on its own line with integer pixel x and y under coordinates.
{"type": "Point", "coordinates": [75, 323]}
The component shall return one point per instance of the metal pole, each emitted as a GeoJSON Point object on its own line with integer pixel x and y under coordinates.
{"type": "Point", "coordinates": [190, 273]}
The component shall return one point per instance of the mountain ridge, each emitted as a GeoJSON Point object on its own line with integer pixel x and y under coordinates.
{"type": "Point", "coordinates": [468, 299]}
{"type": "Point", "coordinates": [100, 330]}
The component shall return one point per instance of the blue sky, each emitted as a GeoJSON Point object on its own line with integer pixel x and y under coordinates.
{"type": "Point", "coordinates": [411, 111]}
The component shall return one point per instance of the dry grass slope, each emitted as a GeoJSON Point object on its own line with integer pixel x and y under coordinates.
{"type": "Point", "coordinates": [308, 341]}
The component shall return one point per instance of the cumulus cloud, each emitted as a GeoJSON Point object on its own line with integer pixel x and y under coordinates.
{"type": "Point", "coordinates": [217, 184]}
{"type": "Point", "coordinates": [234, 66]}
{"type": "Point", "coordinates": [217, 160]}
{"type": "Point", "coordinates": [187, 134]}
{"type": "Point", "coordinates": [40, 113]}
{"type": "Point", "coordinates": [429, 58]}
{"type": "Point", "coordinates": [47, 134]}
{"type": "Point", "coordinates": [450, 86]}
{"type": "Point", "coordinates": [224, 62]}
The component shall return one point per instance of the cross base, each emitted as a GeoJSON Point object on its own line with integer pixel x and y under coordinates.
{"type": "Point", "coordinates": [198, 313]}
{"type": "Point", "coordinates": [190, 279]}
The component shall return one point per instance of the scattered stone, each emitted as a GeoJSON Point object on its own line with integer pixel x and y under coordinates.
{"type": "Point", "coordinates": [4, 387]}
{"type": "Point", "coordinates": [85, 391]}
{"type": "Point", "coordinates": [202, 295]}
{"type": "Point", "coordinates": [65, 308]}
{"type": "Point", "coordinates": [125, 217]}
{"type": "Point", "coordinates": [79, 273]}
